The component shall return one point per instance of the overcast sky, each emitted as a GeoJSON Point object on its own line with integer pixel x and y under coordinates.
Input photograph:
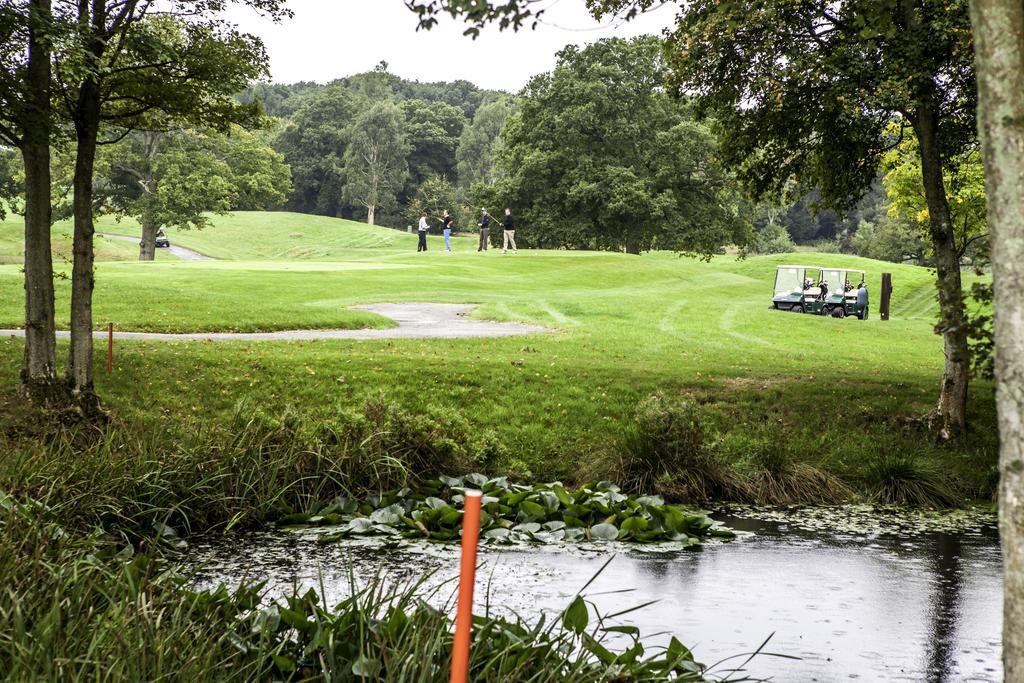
{"type": "Point", "coordinates": [328, 39]}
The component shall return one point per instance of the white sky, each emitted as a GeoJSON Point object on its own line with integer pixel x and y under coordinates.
{"type": "Point", "coordinates": [328, 39]}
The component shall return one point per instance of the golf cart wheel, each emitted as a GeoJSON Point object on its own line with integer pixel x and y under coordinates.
{"type": "Point", "coordinates": [838, 312]}
{"type": "Point", "coordinates": [797, 308]}
{"type": "Point", "coordinates": [825, 311]}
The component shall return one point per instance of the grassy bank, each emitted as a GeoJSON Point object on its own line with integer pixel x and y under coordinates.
{"type": "Point", "coordinates": [90, 522]}
{"type": "Point", "coordinates": [775, 390]}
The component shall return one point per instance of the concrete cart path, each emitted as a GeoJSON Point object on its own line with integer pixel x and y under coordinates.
{"type": "Point", "coordinates": [181, 252]}
{"type": "Point", "coordinates": [415, 321]}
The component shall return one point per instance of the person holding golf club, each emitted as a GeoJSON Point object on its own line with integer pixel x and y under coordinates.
{"type": "Point", "coordinates": [448, 224]}
{"type": "Point", "coordinates": [485, 228]}
{"type": "Point", "coordinates": [509, 227]}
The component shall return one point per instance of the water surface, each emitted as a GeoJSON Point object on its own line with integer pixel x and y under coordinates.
{"type": "Point", "coordinates": [874, 602]}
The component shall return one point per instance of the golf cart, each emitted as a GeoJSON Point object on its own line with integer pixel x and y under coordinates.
{"type": "Point", "coordinates": [161, 240]}
{"type": "Point", "coordinates": [819, 291]}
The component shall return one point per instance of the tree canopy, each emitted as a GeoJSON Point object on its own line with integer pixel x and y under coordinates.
{"type": "Point", "coordinates": [599, 156]}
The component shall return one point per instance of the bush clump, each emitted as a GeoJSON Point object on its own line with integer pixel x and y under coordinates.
{"type": "Point", "coordinates": [905, 479]}
{"type": "Point", "coordinates": [665, 450]}
{"type": "Point", "coordinates": [777, 478]}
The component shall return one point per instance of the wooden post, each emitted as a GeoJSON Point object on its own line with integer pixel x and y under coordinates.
{"type": "Point", "coordinates": [883, 306]}
{"type": "Point", "coordinates": [110, 348]}
{"type": "Point", "coordinates": [467, 576]}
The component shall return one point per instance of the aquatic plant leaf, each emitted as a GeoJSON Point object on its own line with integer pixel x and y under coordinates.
{"type": "Point", "coordinates": [360, 525]}
{"type": "Point", "coordinates": [606, 532]}
{"type": "Point", "coordinates": [635, 523]}
{"type": "Point", "coordinates": [476, 479]}
{"type": "Point", "coordinates": [533, 509]}
{"type": "Point", "coordinates": [576, 616]}
{"type": "Point", "coordinates": [498, 534]}
{"type": "Point", "coordinates": [563, 496]}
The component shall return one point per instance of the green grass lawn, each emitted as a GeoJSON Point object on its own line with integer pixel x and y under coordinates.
{"type": "Point", "coordinates": [837, 393]}
{"type": "Point", "coordinates": [276, 235]}
{"type": "Point", "coordinates": [12, 242]}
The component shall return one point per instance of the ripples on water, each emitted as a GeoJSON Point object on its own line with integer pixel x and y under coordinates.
{"type": "Point", "coordinates": [862, 603]}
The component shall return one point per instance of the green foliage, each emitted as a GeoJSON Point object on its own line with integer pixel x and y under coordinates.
{"type": "Point", "coordinates": [907, 479]}
{"type": "Point", "coordinates": [890, 238]}
{"type": "Point", "coordinates": [807, 92]}
{"type": "Point", "coordinates": [375, 167]}
{"type": "Point", "coordinates": [541, 513]}
{"type": "Point", "coordinates": [599, 156]}
{"type": "Point", "coordinates": [772, 239]}
{"type": "Point", "coordinates": [964, 180]}
{"type": "Point", "coordinates": [480, 143]}
{"type": "Point", "coordinates": [665, 449]}
{"type": "Point", "coordinates": [434, 196]}
{"type": "Point", "coordinates": [776, 476]}
{"type": "Point", "coordinates": [314, 142]}
{"type": "Point", "coordinates": [981, 330]}
{"type": "Point", "coordinates": [432, 130]}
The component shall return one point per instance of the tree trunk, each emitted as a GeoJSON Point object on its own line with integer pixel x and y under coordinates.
{"type": "Point", "coordinates": [79, 371]}
{"type": "Point", "coordinates": [633, 242]}
{"type": "Point", "coordinates": [370, 210]}
{"type": "Point", "coordinates": [39, 373]}
{"type": "Point", "coordinates": [999, 56]}
{"type": "Point", "coordinates": [147, 247]}
{"type": "Point", "coordinates": [951, 412]}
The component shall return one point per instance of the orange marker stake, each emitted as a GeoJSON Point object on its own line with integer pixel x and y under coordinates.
{"type": "Point", "coordinates": [110, 348]}
{"type": "Point", "coordinates": [467, 576]}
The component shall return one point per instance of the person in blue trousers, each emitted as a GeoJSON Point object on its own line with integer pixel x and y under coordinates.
{"type": "Point", "coordinates": [449, 225]}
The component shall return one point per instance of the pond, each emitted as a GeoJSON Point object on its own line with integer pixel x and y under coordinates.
{"type": "Point", "coordinates": [854, 592]}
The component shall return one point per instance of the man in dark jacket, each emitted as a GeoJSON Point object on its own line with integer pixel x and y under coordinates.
{"type": "Point", "coordinates": [485, 228]}
{"type": "Point", "coordinates": [510, 232]}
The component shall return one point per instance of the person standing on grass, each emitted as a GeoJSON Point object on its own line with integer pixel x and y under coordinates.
{"type": "Point", "coordinates": [449, 225]}
{"type": "Point", "coordinates": [510, 232]}
{"type": "Point", "coordinates": [423, 227]}
{"type": "Point", "coordinates": [485, 228]}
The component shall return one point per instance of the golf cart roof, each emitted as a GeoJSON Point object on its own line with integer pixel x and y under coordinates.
{"type": "Point", "coordinates": [845, 270]}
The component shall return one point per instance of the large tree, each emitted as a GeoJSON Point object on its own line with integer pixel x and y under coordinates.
{"type": "Point", "coordinates": [480, 141]}
{"type": "Point", "coordinates": [999, 45]}
{"type": "Point", "coordinates": [122, 69]}
{"type": "Point", "coordinates": [174, 178]}
{"type": "Point", "coordinates": [375, 161]}
{"type": "Point", "coordinates": [600, 156]}
{"type": "Point", "coordinates": [314, 142]}
{"type": "Point", "coordinates": [27, 32]}
{"type": "Point", "coordinates": [432, 130]}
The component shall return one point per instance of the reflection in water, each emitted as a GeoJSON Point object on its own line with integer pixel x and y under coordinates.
{"type": "Point", "coordinates": [945, 606]}
{"type": "Point", "coordinates": [911, 608]}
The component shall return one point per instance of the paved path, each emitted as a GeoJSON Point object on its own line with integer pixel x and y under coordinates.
{"type": "Point", "coordinates": [181, 252]}
{"type": "Point", "coordinates": [415, 321]}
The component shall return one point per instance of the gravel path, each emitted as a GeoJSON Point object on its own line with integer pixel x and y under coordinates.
{"type": "Point", "coordinates": [415, 321]}
{"type": "Point", "coordinates": [181, 252]}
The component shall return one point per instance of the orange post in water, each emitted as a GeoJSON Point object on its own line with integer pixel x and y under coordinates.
{"type": "Point", "coordinates": [110, 348]}
{"type": "Point", "coordinates": [467, 576]}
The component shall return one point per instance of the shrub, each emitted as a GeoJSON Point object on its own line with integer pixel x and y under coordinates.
{"type": "Point", "coordinates": [772, 240]}
{"type": "Point", "coordinates": [777, 478]}
{"type": "Point", "coordinates": [905, 479]}
{"type": "Point", "coordinates": [664, 450]}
